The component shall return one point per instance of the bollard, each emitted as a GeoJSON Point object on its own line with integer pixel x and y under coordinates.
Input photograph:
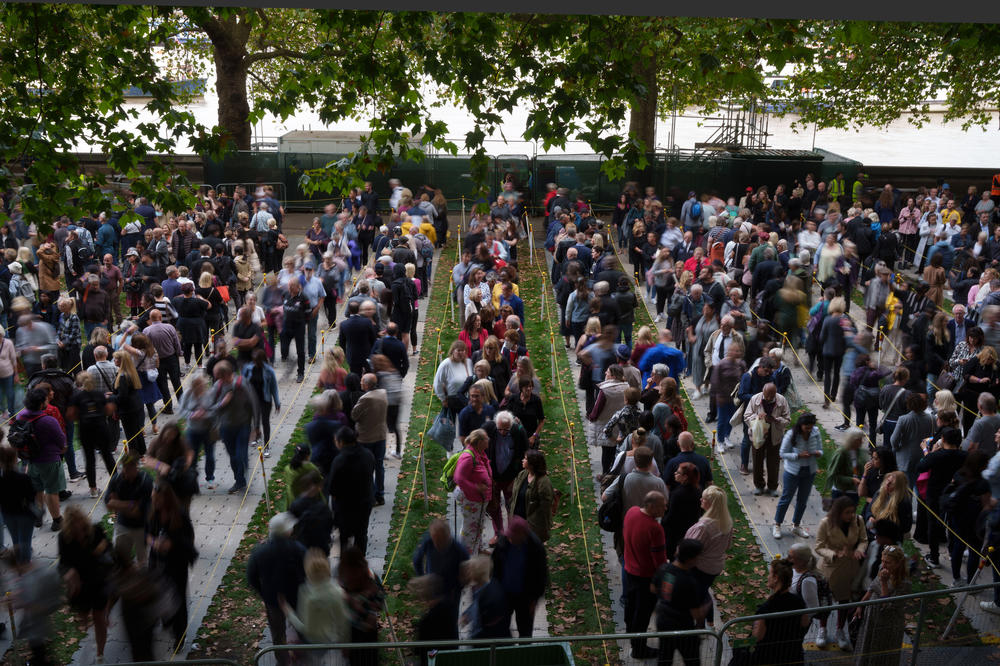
{"type": "Point", "coordinates": [712, 447]}
{"type": "Point", "coordinates": [463, 222]}
{"type": "Point", "coordinates": [263, 471]}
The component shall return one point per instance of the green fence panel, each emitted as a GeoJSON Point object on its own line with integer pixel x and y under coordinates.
{"type": "Point", "coordinates": [551, 654]}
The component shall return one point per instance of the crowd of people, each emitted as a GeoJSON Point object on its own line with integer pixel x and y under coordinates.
{"type": "Point", "coordinates": [730, 283]}
{"type": "Point", "coordinates": [213, 285]}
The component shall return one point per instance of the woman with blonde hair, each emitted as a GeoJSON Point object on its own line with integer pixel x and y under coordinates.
{"type": "Point", "coordinates": [147, 364]}
{"type": "Point", "coordinates": [644, 340]}
{"type": "Point", "coordinates": [322, 613]}
{"type": "Point", "coordinates": [333, 375]}
{"type": "Point", "coordinates": [128, 401]}
{"type": "Point", "coordinates": [525, 370]}
{"type": "Point", "coordinates": [489, 394]}
{"type": "Point", "coordinates": [715, 532]}
{"type": "Point", "coordinates": [892, 502]}
{"type": "Point", "coordinates": [881, 635]}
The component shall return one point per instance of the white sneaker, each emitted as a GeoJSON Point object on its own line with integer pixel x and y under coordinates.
{"type": "Point", "coordinates": [801, 532]}
{"type": "Point", "coordinates": [730, 445]}
{"type": "Point", "coordinates": [843, 640]}
{"type": "Point", "coordinates": [720, 449]}
{"type": "Point", "coordinates": [989, 607]}
{"type": "Point", "coordinates": [696, 395]}
{"type": "Point", "coordinates": [776, 531]}
{"type": "Point", "coordinates": [821, 637]}
{"type": "Point", "coordinates": [659, 318]}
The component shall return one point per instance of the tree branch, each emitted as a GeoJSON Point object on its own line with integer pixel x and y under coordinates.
{"type": "Point", "coordinates": [252, 58]}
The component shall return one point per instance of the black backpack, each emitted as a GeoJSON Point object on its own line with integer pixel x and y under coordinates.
{"type": "Point", "coordinates": [22, 437]}
{"type": "Point", "coordinates": [610, 516]}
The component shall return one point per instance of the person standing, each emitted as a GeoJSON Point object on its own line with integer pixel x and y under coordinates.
{"type": "Point", "coordinates": [770, 407]}
{"type": "Point", "coordinates": [17, 495]}
{"type": "Point", "coordinates": [369, 414]}
{"type": "Point", "coordinates": [779, 640]}
{"type": "Point", "coordinates": [275, 571]}
{"type": "Point", "coordinates": [533, 496]}
{"type": "Point", "coordinates": [167, 344]}
{"type": "Point", "coordinates": [644, 554]}
{"type": "Point", "coordinates": [349, 486]}
{"type": "Point", "coordinates": [679, 603]}
{"type": "Point", "coordinates": [474, 485]}
{"type": "Point", "coordinates": [357, 337]}
{"type": "Point", "coordinates": [801, 447]}
{"type": "Point", "coordinates": [841, 543]}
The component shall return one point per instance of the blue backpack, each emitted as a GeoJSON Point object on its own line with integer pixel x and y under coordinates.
{"type": "Point", "coordinates": [696, 210]}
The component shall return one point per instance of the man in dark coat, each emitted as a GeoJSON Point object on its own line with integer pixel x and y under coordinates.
{"type": "Point", "coordinates": [357, 337]}
{"type": "Point", "coordinates": [275, 571]}
{"type": "Point", "coordinates": [349, 486]}
{"type": "Point", "coordinates": [521, 565]}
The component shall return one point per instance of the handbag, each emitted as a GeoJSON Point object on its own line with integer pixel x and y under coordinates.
{"type": "Point", "coordinates": [152, 374]}
{"type": "Point", "coordinates": [758, 431]}
{"type": "Point", "coordinates": [224, 292]}
{"type": "Point", "coordinates": [442, 430]}
{"type": "Point", "coordinates": [946, 381]}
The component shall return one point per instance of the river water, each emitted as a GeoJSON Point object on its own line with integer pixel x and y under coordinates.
{"type": "Point", "coordinates": [937, 144]}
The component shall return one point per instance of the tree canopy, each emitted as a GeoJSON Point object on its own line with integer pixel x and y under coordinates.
{"type": "Point", "coordinates": [603, 80]}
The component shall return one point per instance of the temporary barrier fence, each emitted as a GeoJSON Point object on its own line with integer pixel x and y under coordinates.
{"type": "Point", "coordinates": [906, 626]}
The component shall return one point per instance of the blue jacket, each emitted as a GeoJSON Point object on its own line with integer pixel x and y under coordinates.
{"type": "Point", "coordinates": [270, 382]}
{"type": "Point", "coordinates": [107, 240]}
{"type": "Point", "coordinates": [947, 253]}
{"type": "Point", "coordinates": [672, 357]}
{"type": "Point", "coordinates": [516, 304]}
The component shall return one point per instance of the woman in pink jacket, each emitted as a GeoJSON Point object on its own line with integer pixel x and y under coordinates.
{"type": "Point", "coordinates": [474, 481]}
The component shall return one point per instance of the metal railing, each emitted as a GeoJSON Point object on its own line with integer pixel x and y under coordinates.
{"type": "Point", "coordinates": [715, 645]}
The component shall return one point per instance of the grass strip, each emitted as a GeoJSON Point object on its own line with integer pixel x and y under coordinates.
{"type": "Point", "coordinates": [576, 558]}
{"type": "Point", "coordinates": [410, 519]}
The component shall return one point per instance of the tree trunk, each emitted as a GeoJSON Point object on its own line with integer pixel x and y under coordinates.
{"type": "Point", "coordinates": [642, 117]}
{"type": "Point", "coordinates": [231, 84]}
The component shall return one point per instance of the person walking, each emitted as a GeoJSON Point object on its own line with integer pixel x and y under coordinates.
{"type": "Point", "coordinates": [17, 502]}
{"type": "Point", "coordinates": [801, 448]}
{"type": "Point", "coordinates": [260, 376]}
{"type": "Point", "coordinates": [679, 603]}
{"type": "Point", "coordinates": [233, 409]}
{"type": "Point", "coordinates": [85, 565]}
{"type": "Point", "coordinates": [45, 469]}
{"type": "Point", "coordinates": [88, 407]}
{"type": "Point", "coordinates": [521, 565]}
{"type": "Point", "coordinates": [170, 535]}
{"type": "Point", "coordinates": [369, 415]}
{"type": "Point", "coordinates": [349, 486]}
{"type": "Point", "coordinates": [275, 571]}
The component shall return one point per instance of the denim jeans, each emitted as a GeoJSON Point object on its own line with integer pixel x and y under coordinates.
{"type": "Point", "coordinates": [378, 450]}
{"type": "Point", "coordinates": [794, 484]}
{"type": "Point", "coordinates": [199, 440]}
{"type": "Point", "coordinates": [20, 526]}
{"type": "Point", "coordinates": [7, 394]}
{"type": "Point", "coordinates": [70, 455]}
{"type": "Point", "coordinates": [237, 439]}
{"type": "Point", "coordinates": [725, 413]}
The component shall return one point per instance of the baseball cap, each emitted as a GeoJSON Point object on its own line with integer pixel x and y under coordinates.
{"type": "Point", "coordinates": [132, 252]}
{"type": "Point", "coordinates": [309, 266]}
{"type": "Point", "coordinates": [749, 189]}
{"type": "Point", "coordinates": [622, 351]}
{"type": "Point", "coordinates": [945, 186]}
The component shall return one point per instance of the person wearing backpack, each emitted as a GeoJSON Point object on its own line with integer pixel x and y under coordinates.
{"type": "Point", "coordinates": [809, 583]}
{"type": "Point", "coordinates": [40, 440]}
{"type": "Point", "coordinates": [691, 214]}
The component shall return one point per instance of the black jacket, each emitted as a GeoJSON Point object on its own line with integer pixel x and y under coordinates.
{"type": "Point", "coordinates": [349, 483]}
{"type": "Point", "coordinates": [276, 568]}
{"type": "Point", "coordinates": [536, 566]}
{"type": "Point", "coordinates": [520, 442]}
{"type": "Point", "coordinates": [315, 526]}
{"type": "Point", "coordinates": [357, 336]}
